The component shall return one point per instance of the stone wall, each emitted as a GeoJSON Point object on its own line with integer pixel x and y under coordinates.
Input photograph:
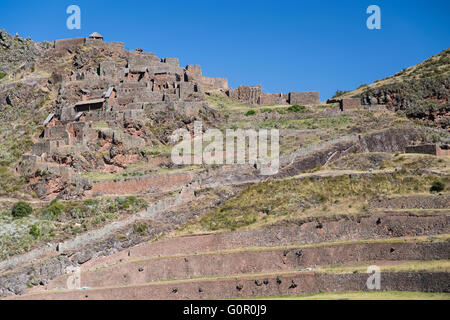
{"type": "Point", "coordinates": [246, 94]}
{"type": "Point", "coordinates": [347, 103]}
{"type": "Point", "coordinates": [210, 84]}
{"type": "Point", "coordinates": [69, 44]}
{"type": "Point", "coordinates": [194, 74]}
{"type": "Point", "coordinates": [297, 283]}
{"type": "Point", "coordinates": [82, 132]}
{"type": "Point", "coordinates": [108, 68]}
{"type": "Point", "coordinates": [254, 95]}
{"type": "Point", "coordinates": [147, 184]}
{"type": "Point", "coordinates": [351, 103]}
{"type": "Point", "coordinates": [433, 149]}
{"type": "Point", "coordinates": [273, 98]}
{"type": "Point", "coordinates": [190, 91]}
{"type": "Point", "coordinates": [418, 202]}
{"type": "Point", "coordinates": [442, 152]}
{"type": "Point", "coordinates": [56, 132]}
{"type": "Point", "coordinates": [424, 149]}
{"type": "Point", "coordinates": [266, 260]}
{"type": "Point", "coordinates": [134, 114]}
{"type": "Point", "coordinates": [128, 141]}
{"type": "Point", "coordinates": [171, 61]}
{"type": "Point", "coordinates": [47, 146]}
{"type": "Point", "coordinates": [141, 59]}
{"type": "Point", "coordinates": [103, 115]}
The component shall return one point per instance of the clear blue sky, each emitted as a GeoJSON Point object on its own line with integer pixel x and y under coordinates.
{"type": "Point", "coordinates": [282, 45]}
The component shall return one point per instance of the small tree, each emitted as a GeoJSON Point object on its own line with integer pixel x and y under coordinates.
{"type": "Point", "coordinates": [338, 93]}
{"type": "Point", "coordinates": [21, 209]}
{"type": "Point", "coordinates": [437, 186]}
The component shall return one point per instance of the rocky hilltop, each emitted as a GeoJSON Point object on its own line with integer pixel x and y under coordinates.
{"type": "Point", "coordinates": [421, 92]}
{"type": "Point", "coordinates": [90, 196]}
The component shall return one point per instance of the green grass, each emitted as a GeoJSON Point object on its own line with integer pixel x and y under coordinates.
{"type": "Point", "coordinates": [270, 201]}
{"type": "Point", "coordinates": [61, 220]}
{"type": "Point", "coordinates": [308, 123]}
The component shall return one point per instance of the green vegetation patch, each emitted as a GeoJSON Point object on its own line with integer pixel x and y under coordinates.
{"type": "Point", "coordinates": [59, 221]}
{"type": "Point", "coordinates": [21, 209]}
{"type": "Point", "coordinates": [437, 186]}
{"type": "Point", "coordinates": [312, 197]}
{"type": "Point", "coordinates": [296, 108]}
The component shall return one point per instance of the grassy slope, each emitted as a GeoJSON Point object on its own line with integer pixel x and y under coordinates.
{"type": "Point", "coordinates": [438, 65]}
{"type": "Point", "coordinates": [309, 198]}
{"type": "Point", "coordinates": [59, 221]}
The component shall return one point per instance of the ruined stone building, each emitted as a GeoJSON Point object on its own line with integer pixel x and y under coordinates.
{"type": "Point", "coordinates": [254, 95]}
{"type": "Point", "coordinates": [118, 88]}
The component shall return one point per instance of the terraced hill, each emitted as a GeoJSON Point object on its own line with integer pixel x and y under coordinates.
{"type": "Point", "coordinates": [108, 215]}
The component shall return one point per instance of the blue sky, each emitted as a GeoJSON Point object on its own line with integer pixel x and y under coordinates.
{"type": "Point", "coordinates": [283, 45]}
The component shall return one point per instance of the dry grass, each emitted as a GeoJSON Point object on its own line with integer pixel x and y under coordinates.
{"type": "Point", "coordinates": [314, 197]}
{"type": "Point", "coordinates": [382, 160]}
{"type": "Point", "coordinates": [367, 295]}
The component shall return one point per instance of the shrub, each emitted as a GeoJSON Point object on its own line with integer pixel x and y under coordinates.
{"type": "Point", "coordinates": [437, 186]}
{"type": "Point", "coordinates": [250, 113]}
{"type": "Point", "coordinates": [338, 93]}
{"type": "Point", "coordinates": [140, 228]}
{"type": "Point", "coordinates": [2, 75]}
{"type": "Point", "coordinates": [35, 231]}
{"type": "Point", "coordinates": [21, 209]}
{"type": "Point", "coordinates": [321, 198]}
{"type": "Point", "coordinates": [53, 211]}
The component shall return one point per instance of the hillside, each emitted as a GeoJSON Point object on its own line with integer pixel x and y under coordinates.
{"type": "Point", "coordinates": [421, 91]}
{"type": "Point", "coordinates": [90, 192]}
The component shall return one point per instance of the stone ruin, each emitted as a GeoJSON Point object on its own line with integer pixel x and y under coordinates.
{"type": "Point", "coordinates": [346, 103]}
{"type": "Point", "coordinates": [254, 95]}
{"type": "Point", "coordinates": [433, 149]}
{"type": "Point", "coordinates": [111, 92]}
{"type": "Point", "coordinates": [116, 89]}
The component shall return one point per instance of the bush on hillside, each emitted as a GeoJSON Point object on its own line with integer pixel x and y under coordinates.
{"type": "Point", "coordinates": [437, 186]}
{"type": "Point", "coordinates": [21, 209]}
